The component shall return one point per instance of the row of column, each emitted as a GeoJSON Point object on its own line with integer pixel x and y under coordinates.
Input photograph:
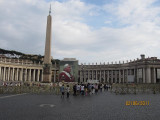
{"type": "Point", "coordinates": [103, 76]}
{"type": "Point", "coordinates": [137, 75]}
{"type": "Point", "coordinates": [20, 74]}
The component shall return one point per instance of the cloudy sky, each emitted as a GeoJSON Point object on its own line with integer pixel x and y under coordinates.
{"type": "Point", "coordinates": [88, 30]}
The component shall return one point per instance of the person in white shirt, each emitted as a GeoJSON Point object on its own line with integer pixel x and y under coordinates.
{"type": "Point", "coordinates": [82, 89]}
{"type": "Point", "coordinates": [67, 90]}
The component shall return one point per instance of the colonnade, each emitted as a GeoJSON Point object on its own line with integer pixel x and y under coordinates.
{"type": "Point", "coordinates": [21, 74]}
{"type": "Point", "coordinates": [119, 75]}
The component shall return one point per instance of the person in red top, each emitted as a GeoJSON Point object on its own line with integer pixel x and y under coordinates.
{"type": "Point", "coordinates": [65, 75]}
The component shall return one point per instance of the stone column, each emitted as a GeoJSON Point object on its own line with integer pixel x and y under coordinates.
{"type": "Point", "coordinates": [148, 75]}
{"type": "Point", "coordinates": [9, 74]}
{"type": "Point", "coordinates": [104, 75]}
{"type": "Point", "coordinates": [111, 76]}
{"type": "Point", "coordinates": [115, 76]}
{"type": "Point", "coordinates": [26, 74]}
{"type": "Point", "coordinates": [42, 75]}
{"type": "Point", "coordinates": [92, 75]}
{"type": "Point", "coordinates": [4, 74]}
{"type": "Point", "coordinates": [127, 76]}
{"type": "Point", "coordinates": [38, 75]}
{"type": "Point", "coordinates": [17, 74]}
{"type": "Point", "coordinates": [30, 75]}
{"type": "Point", "coordinates": [137, 75]}
{"type": "Point", "coordinates": [144, 75]}
{"type": "Point", "coordinates": [134, 75]}
{"type": "Point", "coordinates": [55, 75]}
{"type": "Point", "coordinates": [88, 74]}
{"type": "Point", "coordinates": [0, 73]}
{"type": "Point", "coordinates": [13, 75]}
{"type": "Point", "coordinates": [96, 74]}
{"type": "Point", "coordinates": [108, 76]}
{"type": "Point", "coordinates": [84, 75]}
{"type": "Point", "coordinates": [100, 76]}
{"type": "Point", "coordinates": [119, 76]}
{"type": "Point", "coordinates": [80, 76]}
{"type": "Point", "coordinates": [21, 75]}
{"type": "Point", "coordinates": [34, 75]}
{"type": "Point", "coordinates": [55, 72]}
{"type": "Point", "coordinates": [2, 69]}
{"type": "Point", "coordinates": [154, 74]}
{"type": "Point", "coordinates": [123, 76]}
{"type": "Point", "coordinates": [83, 80]}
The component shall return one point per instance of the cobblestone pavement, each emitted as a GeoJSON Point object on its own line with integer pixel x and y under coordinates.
{"type": "Point", "coordinates": [103, 106]}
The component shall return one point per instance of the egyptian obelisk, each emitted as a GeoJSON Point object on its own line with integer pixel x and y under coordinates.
{"type": "Point", "coordinates": [47, 53]}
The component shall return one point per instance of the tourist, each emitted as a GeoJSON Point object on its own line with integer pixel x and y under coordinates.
{"type": "Point", "coordinates": [96, 88]}
{"type": "Point", "coordinates": [86, 89]}
{"type": "Point", "coordinates": [102, 87]}
{"type": "Point", "coordinates": [105, 87]}
{"type": "Point", "coordinates": [62, 91]}
{"type": "Point", "coordinates": [93, 90]}
{"type": "Point", "coordinates": [90, 89]}
{"type": "Point", "coordinates": [82, 89]}
{"type": "Point", "coordinates": [67, 90]}
{"type": "Point", "coordinates": [74, 89]}
{"type": "Point", "coordinates": [78, 89]}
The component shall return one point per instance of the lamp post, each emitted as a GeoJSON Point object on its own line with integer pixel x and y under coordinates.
{"type": "Point", "coordinates": [82, 70]}
{"type": "Point", "coordinates": [55, 72]}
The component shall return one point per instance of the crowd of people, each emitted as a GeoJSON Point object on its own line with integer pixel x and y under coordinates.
{"type": "Point", "coordinates": [10, 84]}
{"type": "Point", "coordinates": [84, 89]}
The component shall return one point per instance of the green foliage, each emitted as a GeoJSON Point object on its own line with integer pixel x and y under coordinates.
{"type": "Point", "coordinates": [35, 58]}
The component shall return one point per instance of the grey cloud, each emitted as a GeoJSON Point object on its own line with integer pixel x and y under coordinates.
{"type": "Point", "coordinates": [23, 28]}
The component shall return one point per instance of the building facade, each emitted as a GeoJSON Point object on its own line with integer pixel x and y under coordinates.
{"type": "Point", "coordinates": [15, 70]}
{"type": "Point", "coordinates": [144, 70]}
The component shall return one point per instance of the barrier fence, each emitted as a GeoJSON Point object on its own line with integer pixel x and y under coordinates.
{"type": "Point", "coordinates": [55, 90]}
{"type": "Point", "coordinates": [136, 88]}
{"type": "Point", "coordinates": [29, 89]}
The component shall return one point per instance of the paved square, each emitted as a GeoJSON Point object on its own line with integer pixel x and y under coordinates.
{"type": "Point", "coordinates": [103, 106]}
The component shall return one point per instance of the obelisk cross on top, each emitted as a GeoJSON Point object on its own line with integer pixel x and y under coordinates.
{"type": "Point", "coordinates": [47, 53]}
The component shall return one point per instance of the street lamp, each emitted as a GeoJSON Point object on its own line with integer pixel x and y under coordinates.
{"type": "Point", "coordinates": [82, 70]}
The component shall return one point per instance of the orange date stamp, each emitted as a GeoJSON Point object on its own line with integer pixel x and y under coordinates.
{"type": "Point", "coordinates": [137, 103]}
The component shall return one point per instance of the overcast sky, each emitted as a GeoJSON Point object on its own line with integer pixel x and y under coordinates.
{"type": "Point", "coordinates": [92, 31]}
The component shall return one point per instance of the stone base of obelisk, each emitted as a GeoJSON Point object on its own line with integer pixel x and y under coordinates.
{"type": "Point", "coordinates": [47, 73]}
{"type": "Point", "coordinates": [46, 78]}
